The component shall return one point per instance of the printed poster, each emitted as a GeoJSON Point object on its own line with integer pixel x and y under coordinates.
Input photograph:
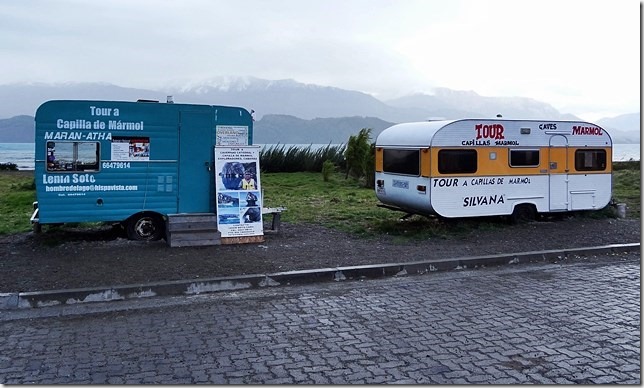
{"type": "Point", "coordinates": [239, 202]}
{"type": "Point", "coordinates": [126, 149]}
{"type": "Point", "coordinates": [231, 135]}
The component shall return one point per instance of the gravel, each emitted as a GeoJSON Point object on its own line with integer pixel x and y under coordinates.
{"type": "Point", "coordinates": [67, 258]}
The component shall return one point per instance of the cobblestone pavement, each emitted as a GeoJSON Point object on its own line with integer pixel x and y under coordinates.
{"type": "Point", "coordinates": [537, 323]}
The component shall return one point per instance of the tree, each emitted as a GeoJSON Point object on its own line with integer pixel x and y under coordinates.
{"type": "Point", "coordinates": [370, 169]}
{"type": "Point", "coordinates": [358, 153]}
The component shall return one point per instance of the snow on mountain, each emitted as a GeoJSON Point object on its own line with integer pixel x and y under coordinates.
{"type": "Point", "coordinates": [459, 104]}
{"type": "Point", "coordinates": [288, 97]}
{"type": "Point", "coordinates": [307, 102]}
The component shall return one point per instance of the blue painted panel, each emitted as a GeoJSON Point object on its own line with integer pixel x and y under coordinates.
{"type": "Point", "coordinates": [173, 179]}
{"type": "Point", "coordinates": [195, 154]}
{"type": "Point", "coordinates": [110, 195]}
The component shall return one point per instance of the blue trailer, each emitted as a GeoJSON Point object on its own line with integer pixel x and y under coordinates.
{"type": "Point", "coordinates": [130, 162]}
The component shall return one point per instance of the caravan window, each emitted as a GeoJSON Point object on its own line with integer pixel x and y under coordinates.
{"type": "Point", "coordinates": [72, 156]}
{"type": "Point", "coordinates": [590, 160]}
{"type": "Point", "coordinates": [457, 161]}
{"type": "Point", "coordinates": [398, 161]}
{"type": "Point", "coordinates": [524, 158]}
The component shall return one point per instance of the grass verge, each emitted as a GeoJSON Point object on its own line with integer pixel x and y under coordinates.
{"type": "Point", "coordinates": [340, 203]}
{"type": "Point", "coordinates": [17, 193]}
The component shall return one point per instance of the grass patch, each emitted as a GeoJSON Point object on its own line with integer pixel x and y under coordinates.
{"type": "Point", "coordinates": [17, 193]}
{"type": "Point", "coordinates": [345, 204]}
{"type": "Point", "coordinates": [339, 203]}
{"type": "Point", "coordinates": [627, 189]}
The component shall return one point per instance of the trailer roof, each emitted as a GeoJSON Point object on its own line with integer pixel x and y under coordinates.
{"type": "Point", "coordinates": [411, 134]}
{"type": "Point", "coordinates": [453, 132]}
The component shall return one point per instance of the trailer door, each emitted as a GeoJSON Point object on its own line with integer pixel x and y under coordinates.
{"type": "Point", "coordinates": [558, 172]}
{"type": "Point", "coordinates": [195, 161]}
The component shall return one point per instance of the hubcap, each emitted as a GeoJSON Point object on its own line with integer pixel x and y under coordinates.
{"type": "Point", "coordinates": [145, 227]}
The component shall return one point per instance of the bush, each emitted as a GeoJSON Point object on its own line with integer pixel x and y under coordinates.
{"type": "Point", "coordinates": [298, 159]}
{"type": "Point", "coordinates": [327, 170]}
{"type": "Point", "coordinates": [628, 165]}
{"type": "Point", "coordinates": [8, 167]}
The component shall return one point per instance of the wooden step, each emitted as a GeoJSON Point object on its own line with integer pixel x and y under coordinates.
{"type": "Point", "coordinates": [192, 229]}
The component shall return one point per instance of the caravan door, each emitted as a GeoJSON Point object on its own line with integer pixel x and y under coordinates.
{"type": "Point", "coordinates": [558, 172]}
{"type": "Point", "coordinates": [195, 161]}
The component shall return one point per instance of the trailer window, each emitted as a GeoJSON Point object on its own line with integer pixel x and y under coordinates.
{"type": "Point", "coordinates": [397, 161]}
{"type": "Point", "coordinates": [457, 161]}
{"type": "Point", "coordinates": [590, 160]}
{"type": "Point", "coordinates": [72, 156]}
{"type": "Point", "coordinates": [524, 158]}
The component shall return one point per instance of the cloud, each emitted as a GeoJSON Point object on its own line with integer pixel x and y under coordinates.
{"type": "Point", "coordinates": [572, 54]}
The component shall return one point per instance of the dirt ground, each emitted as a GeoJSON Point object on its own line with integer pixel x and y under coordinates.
{"type": "Point", "coordinates": [65, 258]}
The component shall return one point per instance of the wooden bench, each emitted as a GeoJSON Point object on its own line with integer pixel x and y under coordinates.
{"type": "Point", "coordinates": [276, 212]}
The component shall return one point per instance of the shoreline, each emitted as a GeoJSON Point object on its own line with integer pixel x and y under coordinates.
{"type": "Point", "coordinates": [625, 151]}
{"type": "Point", "coordinates": [618, 163]}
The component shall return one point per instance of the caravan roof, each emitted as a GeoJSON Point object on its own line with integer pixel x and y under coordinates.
{"type": "Point", "coordinates": [411, 134]}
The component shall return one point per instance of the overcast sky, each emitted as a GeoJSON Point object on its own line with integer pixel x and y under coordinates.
{"type": "Point", "coordinates": [582, 57]}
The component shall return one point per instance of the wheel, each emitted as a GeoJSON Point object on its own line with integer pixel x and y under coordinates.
{"type": "Point", "coordinates": [145, 227]}
{"type": "Point", "coordinates": [523, 213]}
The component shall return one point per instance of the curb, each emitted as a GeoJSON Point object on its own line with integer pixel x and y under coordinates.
{"type": "Point", "coordinates": [38, 299]}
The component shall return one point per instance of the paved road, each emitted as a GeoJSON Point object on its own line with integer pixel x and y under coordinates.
{"type": "Point", "coordinates": [536, 323]}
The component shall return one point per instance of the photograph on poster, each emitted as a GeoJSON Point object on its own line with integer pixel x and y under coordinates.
{"type": "Point", "coordinates": [239, 176]}
{"type": "Point", "coordinates": [249, 199]}
{"type": "Point", "coordinates": [227, 200]}
{"type": "Point", "coordinates": [251, 214]}
{"type": "Point", "coordinates": [229, 218]}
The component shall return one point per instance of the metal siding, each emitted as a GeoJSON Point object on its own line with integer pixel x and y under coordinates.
{"type": "Point", "coordinates": [402, 191]}
{"type": "Point", "coordinates": [487, 195]}
{"type": "Point", "coordinates": [417, 134]}
{"type": "Point", "coordinates": [195, 161]}
{"type": "Point", "coordinates": [225, 115]}
{"type": "Point", "coordinates": [453, 133]}
{"type": "Point", "coordinates": [157, 180]}
{"type": "Point", "coordinates": [451, 198]}
{"type": "Point", "coordinates": [587, 192]}
{"type": "Point", "coordinates": [116, 205]}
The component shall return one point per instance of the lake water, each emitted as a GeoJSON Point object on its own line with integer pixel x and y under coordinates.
{"type": "Point", "coordinates": [22, 154]}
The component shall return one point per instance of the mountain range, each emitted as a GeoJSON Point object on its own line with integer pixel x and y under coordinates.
{"type": "Point", "coordinates": [290, 112]}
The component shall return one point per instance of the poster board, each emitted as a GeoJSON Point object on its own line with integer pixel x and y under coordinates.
{"type": "Point", "coordinates": [231, 135]}
{"type": "Point", "coordinates": [130, 149]}
{"type": "Point", "coordinates": [238, 189]}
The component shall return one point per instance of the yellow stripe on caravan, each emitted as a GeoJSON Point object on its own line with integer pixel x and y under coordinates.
{"type": "Point", "coordinates": [556, 161]}
{"type": "Point", "coordinates": [495, 161]}
{"type": "Point", "coordinates": [425, 162]}
{"type": "Point", "coordinates": [378, 165]}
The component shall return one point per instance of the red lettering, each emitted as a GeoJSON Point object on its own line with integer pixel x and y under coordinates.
{"type": "Point", "coordinates": [499, 132]}
{"type": "Point", "coordinates": [577, 130]}
{"type": "Point", "coordinates": [494, 131]}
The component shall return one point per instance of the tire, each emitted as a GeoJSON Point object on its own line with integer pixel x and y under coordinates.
{"type": "Point", "coordinates": [523, 213]}
{"type": "Point", "coordinates": [145, 227]}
